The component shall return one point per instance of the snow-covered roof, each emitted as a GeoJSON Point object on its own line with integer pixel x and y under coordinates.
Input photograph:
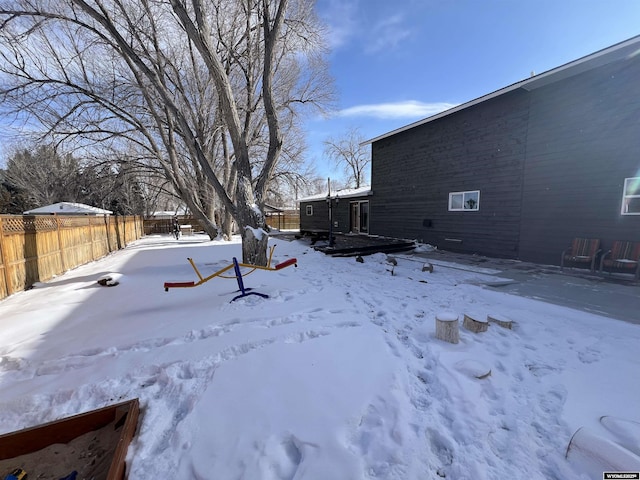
{"type": "Point", "coordinates": [169, 213]}
{"type": "Point", "coordinates": [164, 213]}
{"type": "Point", "coordinates": [344, 193]}
{"type": "Point", "coordinates": [605, 56]}
{"type": "Point", "coordinates": [68, 208]}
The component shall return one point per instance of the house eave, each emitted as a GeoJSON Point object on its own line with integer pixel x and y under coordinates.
{"type": "Point", "coordinates": [619, 51]}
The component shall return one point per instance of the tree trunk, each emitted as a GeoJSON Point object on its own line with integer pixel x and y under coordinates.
{"type": "Point", "coordinates": [504, 322]}
{"type": "Point", "coordinates": [227, 225]}
{"type": "Point", "coordinates": [210, 227]}
{"type": "Point", "coordinates": [254, 246]}
{"type": "Point", "coordinates": [251, 222]}
{"type": "Point", "coordinates": [447, 327]}
{"type": "Point", "coordinates": [475, 325]}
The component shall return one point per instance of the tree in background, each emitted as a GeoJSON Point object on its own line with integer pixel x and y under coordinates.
{"type": "Point", "coordinates": [41, 176]}
{"type": "Point", "coordinates": [348, 153]}
{"type": "Point", "coordinates": [208, 91]}
{"type": "Point", "coordinates": [11, 200]}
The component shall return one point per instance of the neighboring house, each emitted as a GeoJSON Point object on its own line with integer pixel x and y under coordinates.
{"type": "Point", "coordinates": [68, 208]}
{"type": "Point", "coordinates": [520, 172]}
{"type": "Point", "coordinates": [350, 211]}
{"type": "Point", "coordinates": [168, 214]}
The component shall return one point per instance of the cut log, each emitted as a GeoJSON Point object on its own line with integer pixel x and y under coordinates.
{"type": "Point", "coordinates": [447, 327]}
{"type": "Point", "coordinates": [501, 321]}
{"type": "Point", "coordinates": [475, 325]}
{"type": "Point", "coordinates": [473, 369]}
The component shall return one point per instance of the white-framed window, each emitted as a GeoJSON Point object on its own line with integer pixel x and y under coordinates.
{"type": "Point", "coordinates": [464, 201]}
{"type": "Point", "coordinates": [309, 210]}
{"type": "Point", "coordinates": [631, 196]}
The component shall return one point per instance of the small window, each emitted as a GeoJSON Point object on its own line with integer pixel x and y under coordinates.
{"type": "Point", "coordinates": [631, 196]}
{"type": "Point", "coordinates": [309, 210]}
{"type": "Point", "coordinates": [464, 201]}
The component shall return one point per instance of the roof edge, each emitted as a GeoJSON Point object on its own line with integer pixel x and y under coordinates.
{"type": "Point", "coordinates": [509, 88]}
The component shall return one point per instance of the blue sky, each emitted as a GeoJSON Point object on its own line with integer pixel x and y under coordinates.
{"type": "Point", "coordinates": [395, 62]}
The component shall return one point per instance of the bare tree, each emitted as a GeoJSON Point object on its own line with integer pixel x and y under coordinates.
{"type": "Point", "coordinates": [43, 176]}
{"type": "Point", "coordinates": [203, 87]}
{"type": "Point", "coordinates": [347, 152]}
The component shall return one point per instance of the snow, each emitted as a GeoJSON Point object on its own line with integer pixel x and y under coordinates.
{"type": "Point", "coordinates": [343, 193]}
{"type": "Point", "coordinates": [68, 208]}
{"type": "Point", "coordinates": [447, 316]}
{"type": "Point", "coordinates": [337, 375]}
{"type": "Point", "coordinates": [258, 233]}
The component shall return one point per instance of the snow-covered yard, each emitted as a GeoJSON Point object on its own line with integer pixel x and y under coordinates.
{"type": "Point", "coordinates": [336, 376]}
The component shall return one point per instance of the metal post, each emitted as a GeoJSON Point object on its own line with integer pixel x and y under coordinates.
{"type": "Point", "coordinates": [330, 213]}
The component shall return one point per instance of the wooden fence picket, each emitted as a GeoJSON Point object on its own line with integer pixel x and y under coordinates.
{"type": "Point", "coordinates": [37, 248]}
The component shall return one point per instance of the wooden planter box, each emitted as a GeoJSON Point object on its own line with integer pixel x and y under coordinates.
{"type": "Point", "coordinates": [93, 444]}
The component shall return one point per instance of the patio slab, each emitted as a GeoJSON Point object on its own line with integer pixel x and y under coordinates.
{"type": "Point", "coordinates": [615, 296]}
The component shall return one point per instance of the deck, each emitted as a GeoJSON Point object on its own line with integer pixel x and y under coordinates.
{"type": "Point", "coordinates": [350, 245]}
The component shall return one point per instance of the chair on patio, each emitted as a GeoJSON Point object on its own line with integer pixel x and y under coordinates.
{"type": "Point", "coordinates": [623, 256]}
{"type": "Point", "coordinates": [582, 251]}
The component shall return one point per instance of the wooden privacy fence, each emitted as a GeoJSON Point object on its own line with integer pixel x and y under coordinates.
{"type": "Point", "coordinates": [36, 248]}
{"type": "Point", "coordinates": [289, 220]}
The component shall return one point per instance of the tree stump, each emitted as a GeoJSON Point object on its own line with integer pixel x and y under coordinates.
{"type": "Point", "coordinates": [447, 327]}
{"type": "Point", "coordinates": [501, 321]}
{"type": "Point", "coordinates": [254, 246]}
{"type": "Point", "coordinates": [427, 267]}
{"type": "Point", "coordinates": [473, 369]}
{"type": "Point", "coordinates": [474, 325]}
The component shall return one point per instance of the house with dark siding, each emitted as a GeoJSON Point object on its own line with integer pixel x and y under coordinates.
{"type": "Point", "coordinates": [518, 173]}
{"type": "Point", "coordinates": [349, 212]}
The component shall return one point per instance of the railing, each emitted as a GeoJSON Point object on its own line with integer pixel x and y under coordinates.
{"type": "Point", "coordinates": [37, 248]}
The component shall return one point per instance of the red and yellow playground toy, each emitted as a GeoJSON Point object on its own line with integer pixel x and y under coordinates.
{"type": "Point", "coordinates": [238, 275]}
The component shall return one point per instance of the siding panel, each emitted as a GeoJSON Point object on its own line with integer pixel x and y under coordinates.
{"type": "Point", "coordinates": [549, 162]}
{"type": "Point", "coordinates": [479, 148]}
{"type": "Point", "coordinates": [584, 139]}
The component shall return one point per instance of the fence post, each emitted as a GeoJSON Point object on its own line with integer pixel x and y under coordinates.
{"type": "Point", "coordinates": [60, 249]}
{"type": "Point", "coordinates": [5, 261]}
{"type": "Point", "coordinates": [93, 252]}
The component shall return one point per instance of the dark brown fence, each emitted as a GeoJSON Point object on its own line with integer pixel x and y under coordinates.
{"type": "Point", "coordinates": [288, 220]}
{"type": "Point", "coordinates": [36, 248]}
{"type": "Point", "coordinates": [282, 221]}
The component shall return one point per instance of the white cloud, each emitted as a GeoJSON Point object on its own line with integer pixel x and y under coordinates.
{"type": "Point", "coordinates": [357, 22]}
{"type": "Point", "coordinates": [387, 34]}
{"type": "Point", "coordinates": [406, 109]}
{"type": "Point", "coordinates": [341, 18]}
